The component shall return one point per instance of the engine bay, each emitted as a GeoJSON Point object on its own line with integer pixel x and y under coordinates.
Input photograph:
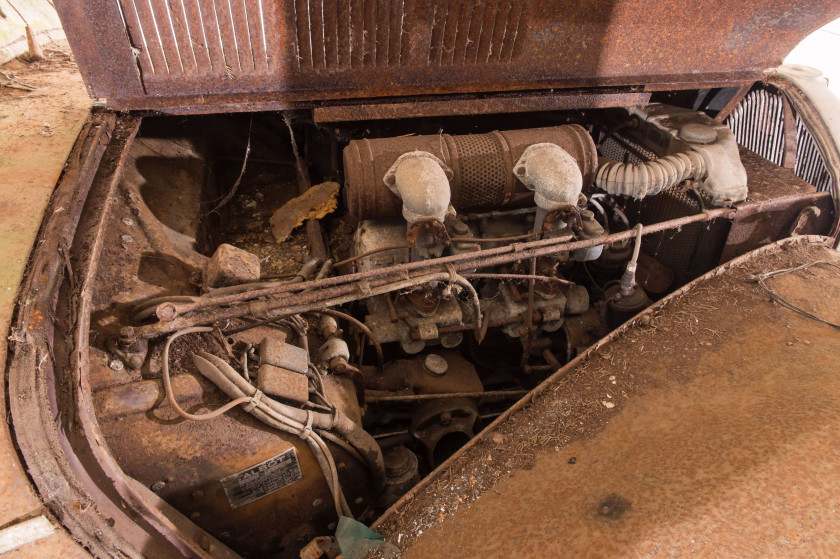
{"type": "Point", "coordinates": [294, 322]}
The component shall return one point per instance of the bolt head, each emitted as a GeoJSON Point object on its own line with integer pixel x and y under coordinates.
{"type": "Point", "coordinates": [436, 364]}
{"type": "Point", "coordinates": [165, 312]}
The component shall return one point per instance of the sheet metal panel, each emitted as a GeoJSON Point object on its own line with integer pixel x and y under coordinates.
{"type": "Point", "coordinates": [209, 55]}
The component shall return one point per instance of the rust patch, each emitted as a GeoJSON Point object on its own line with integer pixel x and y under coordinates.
{"type": "Point", "coordinates": [317, 202]}
{"type": "Point", "coordinates": [614, 506]}
{"type": "Point", "coordinates": [257, 55]}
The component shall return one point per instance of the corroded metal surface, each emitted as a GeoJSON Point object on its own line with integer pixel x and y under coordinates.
{"type": "Point", "coordinates": [30, 394]}
{"type": "Point", "coordinates": [776, 198]}
{"type": "Point", "coordinates": [243, 55]}
{"type": "Point", "coordinates": [460, 106]}
{"type": "Point", "coordinates": [482, 167]}
{"type": "Point", "coordinates": [723, 446]}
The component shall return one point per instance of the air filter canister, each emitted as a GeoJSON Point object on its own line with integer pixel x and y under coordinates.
{"type": "Point", "coordinates": [482, 166]}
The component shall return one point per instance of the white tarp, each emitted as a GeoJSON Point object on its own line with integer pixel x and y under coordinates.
{"type": "Point", "coordinates": [15, 15]}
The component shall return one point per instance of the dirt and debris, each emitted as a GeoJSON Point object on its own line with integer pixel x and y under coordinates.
{"type": "Point", "coordinates": [317, 202]}
{"type": "Point", "coordinates": [340, 239]}
{"type": "Point", "coordinates": [33, 154]}
{"type": "Point", "coordinates": [26, 76]}
{"type": "Point", "coordinates": [265, 188]}
{"type": "Point", "coordinates": [706, 333]}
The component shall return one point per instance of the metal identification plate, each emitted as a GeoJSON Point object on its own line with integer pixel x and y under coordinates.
{"type": "Point", "coordinates": [262, 479]}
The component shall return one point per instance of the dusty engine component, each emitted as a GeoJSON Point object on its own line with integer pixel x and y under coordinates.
{"type": "Point", "coordinates": [551, 304]}
{"type": "Point", "coordinates": [277, 353]}
{"type": "Point", "coordinates": [379, 244]}
{"type": "Point", "coordinates": [416, 321]}
{"type": "Point", "coordinates": [230, 475]}
{"type": "Point", "coordinates": [283, 383]}
{"type": "Point", "coordinates": [650, 177]}
{"type": "Point", "coordinates": [440, 425]}
{"type": "Point", "coordinates": [444, 426]}
{"type": "Point", "coordinates": [422, 319]}
{"type": "Point", "coordinates": [692, 146]}
{"type": "Point", "coordinates": [401, 469]}
{"type": "Point", "coordinates": [421, 180]}
{"type": "Point", "coordinates": [626, 298]}
{"type": "Point", "coordinates": [553, 175]}
{"type": "Point", "coordinates": [481, 164]}
{"type": "Point", "coordinates": [443, 372]}
{"type": "Point", "coordinates": [726, 178]}
{"type": "Point", "coordinates": [589, 229]}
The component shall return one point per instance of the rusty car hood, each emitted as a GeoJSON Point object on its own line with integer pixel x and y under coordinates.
{"type": "Point", "coordinates": [225, 55]}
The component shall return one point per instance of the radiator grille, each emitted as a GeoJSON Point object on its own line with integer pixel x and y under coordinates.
{"type": "Point", "coordinates": [758, 125]}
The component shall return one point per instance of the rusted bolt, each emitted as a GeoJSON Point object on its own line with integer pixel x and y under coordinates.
{"type": "Point", "coordinates": [135, 361]}
{"type": "Point", "coordinates": [338, 364]}
{"type": "Point", "coordinates": [460, 228]}
{"type": "Point", "coordinates": [197, 494]}
{"type": "Point", "coordinates": [446, 418]}
{"type": "Point", "coordinates": [158, 486]}
{"type": "Point", "coordinates": [127, 335]}
{"type": "Point", "coordinates": [166, 312]}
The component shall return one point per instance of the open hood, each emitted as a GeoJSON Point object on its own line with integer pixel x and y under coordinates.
{"type": "Point", "coordinates": [232, 55]}
{"type": "Point", "coordinates": [215, 55]}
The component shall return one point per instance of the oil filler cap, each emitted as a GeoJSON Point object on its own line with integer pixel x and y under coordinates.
{"type": "Point", "coordinates": [698, 133]}
{"type": "Point", "coordinates": [436, 364]}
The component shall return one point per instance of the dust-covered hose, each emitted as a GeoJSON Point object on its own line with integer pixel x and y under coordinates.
{"type": "Point", "coordinates": [236, 387]}
{"type": "Point", "coordinates": [638, 180]}
{"type": "Point", "coordinates": [214, 369]}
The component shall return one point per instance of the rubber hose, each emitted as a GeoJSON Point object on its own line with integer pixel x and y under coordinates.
{"type": "Point", "coordinates": [651, 177]}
